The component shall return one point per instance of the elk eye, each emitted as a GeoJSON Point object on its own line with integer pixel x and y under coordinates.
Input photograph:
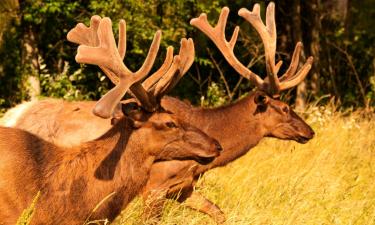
{"type": "Point", "coordinates": [286, 109]}
{"type": "Point", "coordinates": [171, 125]}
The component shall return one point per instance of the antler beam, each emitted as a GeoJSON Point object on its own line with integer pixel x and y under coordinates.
{"type": "Point", "coordinates": [217, 35]}
{"type": "Point", "coordinates": [181, 64]}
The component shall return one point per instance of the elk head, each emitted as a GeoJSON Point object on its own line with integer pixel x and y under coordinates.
{"type": "Point", "coordinates": [177, 139]}
{"type": "Point", "coordinates": [279, 119]}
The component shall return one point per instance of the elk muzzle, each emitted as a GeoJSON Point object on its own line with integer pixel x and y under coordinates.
{"type": "Point", "coordinates": [303, 131]}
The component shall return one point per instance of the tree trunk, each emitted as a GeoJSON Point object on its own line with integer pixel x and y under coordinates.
{"type": "Point", "coordinates": [8, 10]}
{"type": "Point", "coordinates": [314, 27]}
{"type": "Point", "coordinates": [297, 36]}
{"type": "Point", "coordinates": [30, 64]}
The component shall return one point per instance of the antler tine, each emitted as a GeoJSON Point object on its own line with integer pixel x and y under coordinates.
{"type": "Point", "coordinates": [88, 36]}
{"type": "Point", "coordinates": [298, 77]}
{"type": "Point", "coordinates": [155, 77]}
{"type": "Point", "coordinates": [151, 55]}
{"type": "Point", "coordinates": [166, 79]}
{"type": "Point", "coordinates": [147, 101]}
{"type": "Point", "coordinates": [81, 34]}
{"type": "Point", "coordinates": [187, 53]}
{"type": "Point", "coordinates": [92, 55]}
{"type": "Point", "coordinates": [121, 46]}
{"type": "Point", "coordinates": [181, 64]}
{"type": "Point", "coordinates": [217, 35]}
{"type": "Point", "coordinates": [268, 35]}
{"type": "Point", "coordinates": [293, 64]}
{"type": "Point", "coordinates": [291, 74]}
{"type": "Point", "coordinates": [147, 65]}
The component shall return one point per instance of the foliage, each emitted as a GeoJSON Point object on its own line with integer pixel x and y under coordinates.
{"type": "Point", "coordinates": [69, 84]}
{"type": "Point", "coordinates": [215, 96]}
{"type": "Point", "coordinates": [349, 50]}
{"type": "Point", "coordinates": [10, 67]}
{"type": "Point", "coordinates": [346, 47]}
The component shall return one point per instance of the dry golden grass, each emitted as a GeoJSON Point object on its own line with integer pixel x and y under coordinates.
{"type": "Point", "coordinates": [330, 180]}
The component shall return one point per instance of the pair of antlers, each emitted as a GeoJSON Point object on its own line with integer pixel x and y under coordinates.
{"type": "Point", "coordinates": [97, 46]}
{"type": "Point", "coordinates": [273, 84]}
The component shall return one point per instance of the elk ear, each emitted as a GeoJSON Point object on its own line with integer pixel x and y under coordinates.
{"type": "Point", "coordinates": [117, 114]}
{"type": "Point", "coordinates": [261, 99]}
{"type": "Point", "coordinates": [137, 124]}
{"type": "Point", "coordinates": [129, 108]}
{"type": "Point", "coordinates": [137, 117]}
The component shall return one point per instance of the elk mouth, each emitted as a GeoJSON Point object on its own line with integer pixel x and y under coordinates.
{"type": "Point", "coordinates": [204, 160]}
{"type": "Point", "coordinates": [199, 159]}
{"type": "Point", "coordinates": [302, 140]}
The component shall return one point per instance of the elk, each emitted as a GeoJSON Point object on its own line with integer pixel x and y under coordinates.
{"type": "Point", "coordinates": [238, 127]}
{"type": "Point", "coordinates": [115, 166]}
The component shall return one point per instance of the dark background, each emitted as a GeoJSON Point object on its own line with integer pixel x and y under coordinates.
{"type": "Point", "coordinates": [340, 34]}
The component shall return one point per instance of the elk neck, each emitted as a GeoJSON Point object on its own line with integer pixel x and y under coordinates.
{"type": "Point", "coordinates": [114, 163]}
{"type": "Point", "coordinates": [122, 145]}
{"type": "Point", "coordinates": [237, 126]}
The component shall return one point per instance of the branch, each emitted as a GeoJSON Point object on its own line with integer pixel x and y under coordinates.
{"type": "Point", "coordinates": [230, 95]}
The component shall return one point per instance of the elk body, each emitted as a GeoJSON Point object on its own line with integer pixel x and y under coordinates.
{"type": "Point", "coordinates": [114, 167]}
{"type": "Point", "coordinates": [238, 127]}
{"type": "Point", "coordinates": [60, 122]}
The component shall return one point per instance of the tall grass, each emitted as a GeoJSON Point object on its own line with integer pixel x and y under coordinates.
{"type": "Point", "coordinates": [330, 180]}
{"type": "Point", "coordinates": [28, 213]}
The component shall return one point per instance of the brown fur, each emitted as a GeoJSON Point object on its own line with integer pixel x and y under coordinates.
{"type": "Point", "coordinates": [72, 181]}
{"type": "Point", "coordinates": [238, 127]}
{"type": "Point", "coordinates": [51, 113]}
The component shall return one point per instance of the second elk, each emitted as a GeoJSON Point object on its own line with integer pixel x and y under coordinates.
{"type": "Point", "coordinates": [110, 171]}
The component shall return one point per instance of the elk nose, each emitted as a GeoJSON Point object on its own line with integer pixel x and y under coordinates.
{"type": "Point", "coordinates": [218, 146]}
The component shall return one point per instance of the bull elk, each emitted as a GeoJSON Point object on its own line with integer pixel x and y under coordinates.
{"type": "Point", "coordinates": [238, 127]}
{"type": "Point", "coordinates": [114, 167]}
